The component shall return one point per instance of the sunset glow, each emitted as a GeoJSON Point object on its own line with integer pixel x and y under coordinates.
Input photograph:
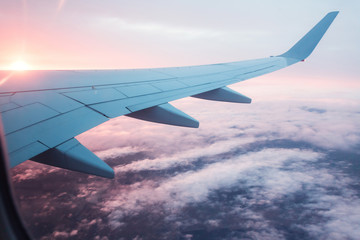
{"type": "Point", "coordinates": [20, 66]}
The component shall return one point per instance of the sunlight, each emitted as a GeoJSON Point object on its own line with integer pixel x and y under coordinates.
{"type": "Point", "coordinates": [20, 66]}
{"type": "Point", "coordinates": [60, 5]}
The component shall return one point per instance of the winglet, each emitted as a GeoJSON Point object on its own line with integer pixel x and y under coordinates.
{"type": "Point", "coordinates": [304, 47]}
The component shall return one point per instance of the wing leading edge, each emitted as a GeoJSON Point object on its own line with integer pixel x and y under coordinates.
{"type": "Point", "coordinates": [42, 111]}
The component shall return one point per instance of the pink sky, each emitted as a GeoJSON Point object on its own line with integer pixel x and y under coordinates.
{"type": "Point", "coordinates": [121, 34]}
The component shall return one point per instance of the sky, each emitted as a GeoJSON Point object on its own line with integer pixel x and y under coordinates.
{"type": "Point", "coordinates": [139, 34]}
{"type": "Point", "coordinates": [285, 166]}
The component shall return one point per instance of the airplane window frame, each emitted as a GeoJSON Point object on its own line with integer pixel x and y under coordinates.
{"type": "Point", "coordinates": [11, 224]}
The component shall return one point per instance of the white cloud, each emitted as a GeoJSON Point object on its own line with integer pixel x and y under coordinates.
{"type": "Point", "coordinates": [195, 186]}
{"type": "Point", "coordinates": [269, 174]}
{"type": "Point", "coordinates": [73, 233]}
{"type": "Point", "coordinates": [343, 213]}
{"type": "Point", "coordinates": [31, 170]}
{"type": "Point", "coordinates": [186, 157]}
{"type": "Point", "coordinates": [60, 235]}
{"type": "Point", "coordinates": [116, 152]}
{"type": "Point", "coordinates": [336, 128]}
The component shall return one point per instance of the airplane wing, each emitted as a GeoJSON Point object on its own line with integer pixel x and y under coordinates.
{"type": "Point", "coordinates": [42, 111]}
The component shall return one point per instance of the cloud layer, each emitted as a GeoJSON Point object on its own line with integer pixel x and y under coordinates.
{"type": "Point", "coordinates": [276, 169]}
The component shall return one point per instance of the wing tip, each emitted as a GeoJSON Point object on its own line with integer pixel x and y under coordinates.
{"type": "Point", "coordinates": [305, 46]}
{"type": "Point", "coordinates": [334, 13]}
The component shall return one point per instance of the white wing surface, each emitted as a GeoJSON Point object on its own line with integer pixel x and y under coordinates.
{"type": "Point", "coordinates": [42, 111]}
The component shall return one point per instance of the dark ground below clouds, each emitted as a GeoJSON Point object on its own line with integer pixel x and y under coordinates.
{"type": "Point", "coordinates": [51, 203]}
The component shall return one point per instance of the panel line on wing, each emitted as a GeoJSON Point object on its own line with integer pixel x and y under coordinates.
{"type": "Point", "coordinates": [8, 106]}
{"type": "Point", "coordinates": [83, 86]}
{"type": "Point", "coordinates": [109, 108]}
{"type": "Point", "coordinates": [142, 102]}
{"type": "Point", "coordinates": [45, 120]}
{"type": "Point", "coordinates": [26, 152]}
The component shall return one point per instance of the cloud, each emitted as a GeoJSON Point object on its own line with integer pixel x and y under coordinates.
{"type": "Point", "coordinates": [316, 110]}
{"type": "Point", "coordinates": [186, 157]}
{"type": "Point", "coordinates": [31, 171]}
{"type": "Point", "coordinates": [271, 175]}
{"type": "Point", "coordinates": [342, 213]}
{"type": "Point", "coordinates": [116, 152]}
{"type": "Point", "coordinates": [159, 28]}
{"type": "Point", "coordinates": [268, 168]}
{"type": "Point", "coordinates": [195, 186]}
{"type": "Point", "coordinates": [60, 235]}
{"type": "Point", "coordinates": [335, 128]}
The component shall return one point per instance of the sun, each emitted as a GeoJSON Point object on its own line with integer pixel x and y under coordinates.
{"type": "Point", "coordinates": [19, 66]}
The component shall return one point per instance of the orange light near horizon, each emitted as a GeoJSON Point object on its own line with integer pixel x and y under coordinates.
{"type": "Point", "coordinates": [19, 66]}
